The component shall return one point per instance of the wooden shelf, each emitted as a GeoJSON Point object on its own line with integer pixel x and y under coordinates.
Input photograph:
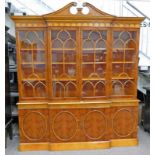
{"type": "Point", "coordinates": [73, 79]}
{"type": "Point", "coordinates": [126, 49]}
{"type": "Point", "coordinates": [121, 62]}
{"type": "Point", "coordinates": [85, 63]}
{"type": "Point", "coordinates": [30, 63]}
{"type": "Point", "coordinates": [30, 49]}
{"type": "Point", "coordinates": [34, 79]}
{"type": "Point", "coordinates": [93, 79]}
{"type": "Point", "coordinates": [63, 49]}
{"type": "Point", "coordinates": [122, 78]}
{"type": "Point", "coordinates": [116, 96]}
{"type": "Point", "coordinates": [64, 79]}
{"type": "Point", "coordinates": [94, 49]}
{"type": "Point", "coordinates": [63, 63]}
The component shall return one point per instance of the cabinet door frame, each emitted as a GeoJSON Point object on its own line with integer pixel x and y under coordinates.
{"type": "Point", "coordinates": [50, 64]}
{"type": "Point", "coordinates": [107, 61]}
{"type": "Point", "coordinates": [135, 71]}
{"type": "Point", "coordinates": [19, 63]}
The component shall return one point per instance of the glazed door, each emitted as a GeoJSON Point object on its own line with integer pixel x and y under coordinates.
{"type": "Point", "coordinates": [124, 63]}
{"type": "Point", "coordinates": [93, 63]}
{"type": "Point", "coordinates": [32, 64]}
{"type": "Point", "coordinates": [64, 63]}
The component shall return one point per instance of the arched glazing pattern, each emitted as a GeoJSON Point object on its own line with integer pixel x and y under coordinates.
{"type": "Point", "coordinates": [94, 89]}
{"type": "Point", "coordinates": [32, 40]}
{"type": "Point", "coordinates": [124, 62]}
{"type": "Point", "coordinates": [124, 53]}
{"type": "Point", "coordinates": [34, 89]}
{"type": "Point", "coordinates": [94, 53]}
{"type": "Point", "coordinates": [123, 88]}
{"type": "Point", "coordinates": [64, 89]}
{"type": "Point", "coordinates": [63, 45]}
{"type": "Point", "coordinates": [33, 63]}
{"type": "Point", "coordinates": [64, 63]}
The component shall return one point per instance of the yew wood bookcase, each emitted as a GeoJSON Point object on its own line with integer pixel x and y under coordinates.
{"type": "Point", "coordinates": [77, 77]}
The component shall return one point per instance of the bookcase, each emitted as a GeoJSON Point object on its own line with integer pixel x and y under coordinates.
{"type": "Point", "coordinates": [77, 79]}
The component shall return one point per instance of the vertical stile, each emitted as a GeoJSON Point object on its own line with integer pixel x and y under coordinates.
{"type": "Point", "coordinates": [109, 63]}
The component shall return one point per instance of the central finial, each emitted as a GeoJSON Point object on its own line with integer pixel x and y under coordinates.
{"type": "Point", "coordinates": [79, 7]}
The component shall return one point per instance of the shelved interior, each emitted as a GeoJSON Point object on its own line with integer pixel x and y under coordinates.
{"type": "Point", "coordinates": [77, 63]}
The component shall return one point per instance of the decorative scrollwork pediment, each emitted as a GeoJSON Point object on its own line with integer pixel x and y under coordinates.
{"type": "Point", "coordinates": [65, 11]}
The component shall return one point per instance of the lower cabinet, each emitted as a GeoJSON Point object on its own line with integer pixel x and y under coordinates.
{"type": "Point", "coordinates": [79, 125]}
{"type": "Point", "coordinates": [74, 125]}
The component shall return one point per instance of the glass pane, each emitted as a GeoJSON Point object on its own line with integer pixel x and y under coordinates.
{"type": "Point", "coordinates": [34, 89]}
{"type": "Point", "coordinates": [123, 70]}
{"type": "Point", "coordinates": [58, 89]}
{"type": "Point", "coordinates": [118, 55]}
{"type": "Point", "coordinates": [100, 88]}
{"type": "Point", "coordinates": [39, 56]}
{"type": "Point", "coordinates": [88, 70]}
{"type": "Point", "coordinates": [124, 56]}
{"type": "Point", "coordinates": [26, 71]}
{"type": "Point", "coordinates": [124, 46]}
{"type": "Point", "coordinates": [100, 70]}
{"type": "Point", "coordinates": [100, 56]}
{"type": "Point", "coordinates": [94, 35]}
{"type": "Point", "coordinates": [40, 89]}
{"type": "Point", "coordinates": [129, 87]}
{"type": "Point", "coordinates": [27, 89]}
{"type": "Point", "coordinates": [123, 87]}
{"type": "Point", "coordinates": [117, 88]}
{"type": "Point", "coordinates": [70, 56]}
{"type": "Point", "coordinates": [130, 56]}
{"type": "Point", "coordinates": [70, 70]}
{"type": "Point", "coordinates": [57, 70]}
{"type": "Point", "coordinates": [26, 56]}
{"type": "Point", "coordinates": [31, 39]}
{"type": "Point", "coordinates": [93, 88]}
{"type": "Point", "coordinates": [88, 44]}
{"type": "Point", "coordinates": [94, 54]}
{"type": "Point", "coordinates": [129, 69]}
{"type": "Point", "coordinates": [118, 43]}
{"type": "Point", "coordinates": [63, 89]}
{"type": "Point", "coordinates": [88, 56]}
{"type": "Point", "coordinates": [57, 56]}
{"type": "Point", "coordinates": [57, 44]}
{"type": "Point", "coordinates": [70, 89]}
{"type": "Point", "coordinates": [70, 44]}
{"type": "Point", "coordinates": [130, 44]}
{"type": "Point", "coordinates": [63, 39]}
{"type": "Point", "coordinates": [25, 44]}
{"type": "Point", "coordinates": [117, 70]}
{"type": "Point", "coordinates": [39, 70]}
{"type": "Point", "coordinates": [88, 89]}
{"type": "Point", "coordinates": [100, 43]}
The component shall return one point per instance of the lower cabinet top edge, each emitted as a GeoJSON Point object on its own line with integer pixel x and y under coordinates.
{"type": "Point", "coordinates": [101, 104]}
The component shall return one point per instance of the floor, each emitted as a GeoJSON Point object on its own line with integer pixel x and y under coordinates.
{"type": "Point", "coordinates": [142, 149]}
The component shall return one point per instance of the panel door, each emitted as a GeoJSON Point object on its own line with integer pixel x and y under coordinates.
{"type": "Point", "coordinates": [124, 63]}
{"type": "Point", "coordinates": [64, 63]}
{"type": "Point", "coordinates": [93, 65]}
{"type": "Point", "coordinates": [79, 124]}
{"type": "Point", "coordinates": [32, 64]}
{"type": "Point", "coordinates": [33, 125]}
